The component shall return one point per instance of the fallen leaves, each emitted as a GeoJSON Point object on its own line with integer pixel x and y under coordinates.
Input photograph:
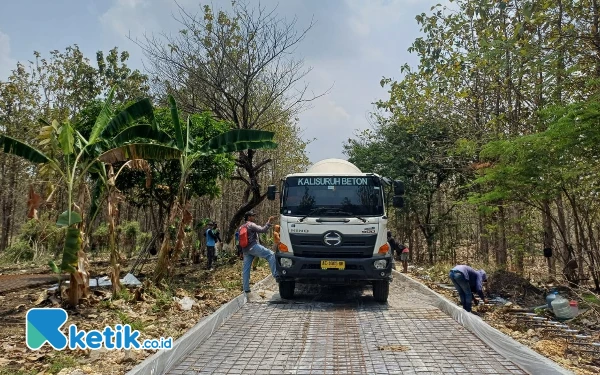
{"type": "Point", "coordinates": [393, 348]}
{"type": "Point", "coordinates": [153, 314]}
{"type": "Point", "coordinates": [551, 348]}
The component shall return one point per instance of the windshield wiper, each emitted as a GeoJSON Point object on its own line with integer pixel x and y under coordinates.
{"type": "Point", "coordinates": [347, 213]}
{"type": "Point", "coordinates": [312, 212]}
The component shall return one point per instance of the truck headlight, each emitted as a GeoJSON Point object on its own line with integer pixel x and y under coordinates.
{"type": "Point", "coordinates": [285, 262]}
{"type": "Point", "coordinates": [380, 264]}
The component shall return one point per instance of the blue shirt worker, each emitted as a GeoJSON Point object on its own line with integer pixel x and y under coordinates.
{"type": "Point", "coordinates": [255, 249]}
{"type": "Point", "coordinates": [211, 241]}
{"type": "Point", "coordinates": [467, 281]}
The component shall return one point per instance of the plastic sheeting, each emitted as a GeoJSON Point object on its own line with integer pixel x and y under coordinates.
{"type": "Point", "coordinates": [161, 361]}
{"type": "Point", "coordinates": [524, 357]}
{"type": "Point", "coordinates": [104, 281]}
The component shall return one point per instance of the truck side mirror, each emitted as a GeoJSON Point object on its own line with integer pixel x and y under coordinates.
{"type": "Point", "coordinates": [271, 190]}
{"type": "Point", "coordinates": [398, 201]}
{"type": "Point", "coordinates": [398, 187]}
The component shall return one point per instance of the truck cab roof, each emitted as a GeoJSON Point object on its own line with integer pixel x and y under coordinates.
{"type": "Point", "coordinates": [333, 167]}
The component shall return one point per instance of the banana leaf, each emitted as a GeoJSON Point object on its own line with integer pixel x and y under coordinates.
{"type": "Point", "coordinates": [103, 118]}
{"type": "Point", "coordinates": [72, 245]}
{"type": "Point", "coordinates": [176, 123]}
{"type": "Point", "coordinates": [96, 201]}
{"type": "Point", "coordinates": [241, 146]}
{"type": "Point", "coordinates": [53, 266]}
{"type": "Point", "coordinates": [238, 140]}
{"type": "Point", "coordinates": [123, 119]}
{"type": "Point", "coordinates": [141, 131]}
{"type": "Point", "coordinates": [63, 219]}
{"type": "Point", "coordinates": [66, 139]}
{"type": "Point", "coordinates": [140, 151]}
{"type": "Point", "coordinates": [18, 148]}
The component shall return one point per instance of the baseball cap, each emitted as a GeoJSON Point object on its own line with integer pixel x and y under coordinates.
{"type": "Point", "coordinates": [483, 275]}
{"type": "Point", "coordinates": [248, 214]}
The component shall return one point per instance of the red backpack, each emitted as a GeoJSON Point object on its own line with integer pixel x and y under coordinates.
{"type": "Point", "coordinates": [244, 236]}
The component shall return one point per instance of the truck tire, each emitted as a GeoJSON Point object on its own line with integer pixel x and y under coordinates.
{"type": "Point", "coordinates": [286, 289]}
{"type": "Point", "coordinates": [381, 290]}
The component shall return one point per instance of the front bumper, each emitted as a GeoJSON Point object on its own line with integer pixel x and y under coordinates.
{"type": "Point", "coordinates": [356, 269]}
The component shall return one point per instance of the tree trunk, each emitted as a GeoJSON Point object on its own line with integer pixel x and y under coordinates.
{"type": "Point", "coordinates": [580, 240]}
{"type": "Point", "coordinates": [501, 253]}
{"type": "Point", "coordinates": [519, 250]}
{"type": "Point", "coordinates": [549, 238]}
{"type": "Point", "coordinates": [563, 229]}
{"type": "Point", "coordinates": [245, 161]}
{"type": "Point", "coordinates": [8, 208]}
{"type": "Point", "coordinates": [484, 243]}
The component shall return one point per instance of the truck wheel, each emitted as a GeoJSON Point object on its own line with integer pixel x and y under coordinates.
{"type": "Point", "coordinates": [286, 289]}
{"type": "Point", "coordinates": [381, 290]}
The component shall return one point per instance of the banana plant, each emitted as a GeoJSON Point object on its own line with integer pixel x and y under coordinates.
{"type": "Point", "coordinates": [188, 154]}
{"type": "Point", "coordinates": [75, 159]}
{"type": "Point", "coordinates": [112, 131]}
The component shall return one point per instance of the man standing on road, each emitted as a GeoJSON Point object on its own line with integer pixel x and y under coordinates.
{"type": "Point", "coordinates": [467, 281]}
{"type": "Point", "coordinates": [254, 248]}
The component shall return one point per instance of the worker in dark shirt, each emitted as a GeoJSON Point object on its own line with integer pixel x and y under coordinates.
{"type": "Point", "coordinates": [467, 281]}
{"type": "Point", "coordinates": [393, 247]}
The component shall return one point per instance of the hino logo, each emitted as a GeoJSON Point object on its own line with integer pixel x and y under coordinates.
{"type": "Point", "coordinates": [332, 238]}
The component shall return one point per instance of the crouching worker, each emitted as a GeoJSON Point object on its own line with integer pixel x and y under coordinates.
{"type": "Point", "coordinates": [251, 247]}
{"type": "Point", "coordinates": [467, 281]}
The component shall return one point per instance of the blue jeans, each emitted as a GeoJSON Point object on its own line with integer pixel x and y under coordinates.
{"type": "Point", "coordinates": [261, 252]}
{"type": "Point", "coordinates": [464, 289]}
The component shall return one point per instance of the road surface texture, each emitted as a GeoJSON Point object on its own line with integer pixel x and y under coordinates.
{"type": "Point", "coordinates": [336, 330]}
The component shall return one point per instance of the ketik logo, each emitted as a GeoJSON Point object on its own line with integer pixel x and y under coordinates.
{"type": "Point", "coordinates": [43, 325]}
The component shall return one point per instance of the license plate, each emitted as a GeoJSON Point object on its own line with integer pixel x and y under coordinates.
{"type": "Point", "coordinates": [333, 264]}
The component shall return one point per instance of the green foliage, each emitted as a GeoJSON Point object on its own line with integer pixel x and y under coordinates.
{"type": "Point", "coordinates": [101, 230]}
{"type": "Point", "coordinates": [18, 251]}
{"type": "Point", "coordinates": [166, 175]}
{"type": "Point", "coordinates": [136, 324]}
{"type": "Point", "coordinates": [130, 229]}
{"type": "Point", "coordinates": [61, 361]}
{"type": "Point", "coordinates": [592, 299]}
{"type": "Point", "coordinates": [163, 298]}
{"type": "Point", "coordinates": [36, 238]}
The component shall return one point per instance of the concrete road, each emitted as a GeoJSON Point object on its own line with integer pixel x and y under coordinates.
{"type": "Point", "coordinates": [335, 330]}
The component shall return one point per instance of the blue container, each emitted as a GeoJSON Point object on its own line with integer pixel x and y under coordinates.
{"type": "Point", "coordinates": [551, 297]}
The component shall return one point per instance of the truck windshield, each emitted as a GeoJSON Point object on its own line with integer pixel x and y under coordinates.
{"type": "Point", "coordinates": [335, 195]}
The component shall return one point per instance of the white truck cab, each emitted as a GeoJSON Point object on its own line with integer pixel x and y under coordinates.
{"type": "Point", "coordinates": [334, 228]}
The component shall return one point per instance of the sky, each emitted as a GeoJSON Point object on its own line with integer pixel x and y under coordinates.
{"type": "Point", "coordinates": [350, 48]}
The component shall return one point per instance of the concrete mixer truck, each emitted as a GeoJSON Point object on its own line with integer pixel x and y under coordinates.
{"type": "Point", "coordinates": [334, 227]}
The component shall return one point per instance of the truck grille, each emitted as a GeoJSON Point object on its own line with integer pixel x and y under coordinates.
{"type": "Point", "coordinates": [352, 246]}
{"type": "Point", "coordinates": [335, 254]}
{"type": "Point", "coordinates": [353, 267]}
{"type": "Point", "coordinates": [349, 243]}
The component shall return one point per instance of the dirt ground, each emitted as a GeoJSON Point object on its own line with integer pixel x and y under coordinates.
{"type": "Point", "coordinates": [149, 309]}
{"type": "Point", "coordinates": [515, 288]}
{"type": "Point", "coordinates": [523, 296]}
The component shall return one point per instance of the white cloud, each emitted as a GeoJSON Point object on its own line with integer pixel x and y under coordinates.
{"type": "Point", "coordinates": [6, 62]}
{"type": "Point", "coordinates": [133, 17]}
{"type": "Point", "coordinates": [359, 26]}
{"type": "Point", "coordinates": [335, 112]}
